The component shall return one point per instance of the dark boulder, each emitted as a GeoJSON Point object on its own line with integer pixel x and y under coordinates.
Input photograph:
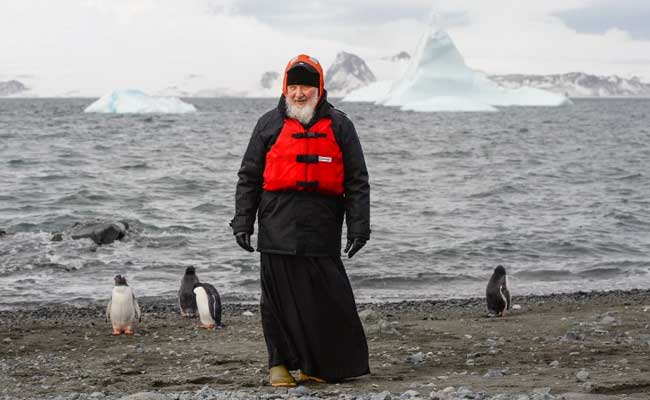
{"type": "Point", "coordinates": [101, 233]}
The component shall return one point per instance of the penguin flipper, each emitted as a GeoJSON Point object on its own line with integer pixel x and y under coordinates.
{"type": "Point", "coordinates": [506, 296]}
{"type": "Point", "coordinates": [108, 308]}
{"type": "Point", "coordinates": [138, 314]}
{"type": "Point", "coordinates": [217, 310]}
{"type": "Point", "coordinates": [180, 306]}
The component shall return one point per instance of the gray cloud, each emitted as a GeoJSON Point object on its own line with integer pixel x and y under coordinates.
{"type": "Point", "coordinates": [337, 12]}
{"type": "Point", "coordinates": [629, 15]}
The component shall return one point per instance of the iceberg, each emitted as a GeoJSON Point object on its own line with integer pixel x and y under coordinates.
{"type": "Point", "coordinates": [137, 102]}
{"type": "Point", "coordinates": [437, 79]}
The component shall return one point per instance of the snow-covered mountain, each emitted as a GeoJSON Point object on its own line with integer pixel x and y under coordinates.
{"type": "Point", "coordinates": [578, 84]}
{"type": "Point", "coordinates": [11, 88]}
{"type": "Point", "coordinates": [437, 79]}
{"type": "Point", "coordinates": [348, 72]}
{"type": "Point", "coordinates": [269, 79]}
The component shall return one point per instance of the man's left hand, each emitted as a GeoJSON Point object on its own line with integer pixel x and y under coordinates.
{"type": "Point", "coordinates": [353, 246]}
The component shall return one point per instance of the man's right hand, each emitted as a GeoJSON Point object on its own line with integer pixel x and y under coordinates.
{"type": "Point", "coordinates": [244, 241]}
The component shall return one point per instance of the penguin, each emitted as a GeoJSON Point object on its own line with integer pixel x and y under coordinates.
{"type": "Point", "coordinates": [186, 297]}
{"type": "Point", "coordinates": [209, 305]}
{"type": "Point", "coordinates": [497, 293]}
{"type": "Point", "coordinates": [123, 308]}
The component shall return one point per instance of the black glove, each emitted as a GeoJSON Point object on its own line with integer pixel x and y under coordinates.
{"type": "Point", "coordinates": [354, 245]}
{"type": "Point", "coordinates": [244, 241]}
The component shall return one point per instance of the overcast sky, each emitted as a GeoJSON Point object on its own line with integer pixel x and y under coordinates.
{"type": "Point", "coordinates": [97, 45]}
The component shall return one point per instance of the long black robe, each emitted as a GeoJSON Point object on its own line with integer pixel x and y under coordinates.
{"type": "Point", "coordinates": [309, 317]}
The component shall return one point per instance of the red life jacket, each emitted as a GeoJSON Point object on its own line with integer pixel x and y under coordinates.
{"type": "Point", "coordinates": [305, 161]}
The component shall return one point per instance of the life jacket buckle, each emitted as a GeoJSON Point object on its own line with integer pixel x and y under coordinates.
{"type": "Point", "coordinates": [307, 158]}
{"type": "Point", "coordinates": [308, 135]}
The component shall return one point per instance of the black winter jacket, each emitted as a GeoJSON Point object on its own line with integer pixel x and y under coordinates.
{"type": "Point", "coordinates": [302, 223]}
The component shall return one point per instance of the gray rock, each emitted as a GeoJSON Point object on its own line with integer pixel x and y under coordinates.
{"type": "Point", "coordinates": [145, 396]}
{"type": "Point", "coordinates": [387, 328]}
{"type": "Point", "coordinates": [495, 373]}
{"type": "Point", "coordinates": [369, 315]}
{"type": "Point", "coordinates": [385, 395]}
{"type": "Point", "coordinates": [101, 233]}
{"type": "Point", "coordinates": [542, 394]}
{"type": "Point", "coordinates": [447, 393]}
{"type": "Point", "coordinates": [582, 376]}
{"type": "Point", "coordinates": [416, 358]}
{"type": "Point", "coordinates": [573, 336]}
{"type": "Point", "coordinates": [57, 237]}
{"type": "Point", "coordinates": [298, 391]}
{"type": "Point", "coordinates": [554, 364]}
{"type": "Point", "coordinates": [587, 396]}
{"type": "Point", "coordinates": [465, 392]}
{"type": "Point", "coordinates": [409, 394]}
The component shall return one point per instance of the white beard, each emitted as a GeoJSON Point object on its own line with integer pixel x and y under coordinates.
{"type": "Point", "coordinates": [303, 113]}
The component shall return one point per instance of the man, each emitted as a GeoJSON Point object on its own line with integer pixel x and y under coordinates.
{"type": "Point", "coordinates": [302, 172]}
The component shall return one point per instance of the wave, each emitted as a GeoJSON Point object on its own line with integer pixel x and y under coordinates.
{"type": "Point", "coordinates": [418, 280]}
{"type": "Point", "coordinates": [141, 165]}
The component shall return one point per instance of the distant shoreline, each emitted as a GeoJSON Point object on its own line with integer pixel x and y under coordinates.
{"type": "Point", "coordinates": [170, 302]}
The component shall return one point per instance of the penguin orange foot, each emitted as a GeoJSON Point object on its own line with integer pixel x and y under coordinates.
{"type": "Point", "coordinates": [280, 377]}
{"type": "Point", "coordinates": [207, 326]}
{"type": "Point", "coordinates": [116, 332]}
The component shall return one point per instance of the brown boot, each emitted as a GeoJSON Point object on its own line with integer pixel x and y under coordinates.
{"type": "Point", "coordinates": [302, 377]}
{"type": "Point", "coordinates": [280, 377]}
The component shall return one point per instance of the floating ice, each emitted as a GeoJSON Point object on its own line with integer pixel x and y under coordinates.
{"type": "Point", "coordinates": [438, 79]}
{"type": "Point", "coordinates": [137, 102]}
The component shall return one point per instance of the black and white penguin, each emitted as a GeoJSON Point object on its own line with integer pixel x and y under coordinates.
{"type": "Point", "coordinates": [208, 303]}
{"type": "Point", "coordinates": [123, 309]}
{"type": "Point", "coordinates": [186, 297]}
{"type": "Point", "coordinates": [497, 293]}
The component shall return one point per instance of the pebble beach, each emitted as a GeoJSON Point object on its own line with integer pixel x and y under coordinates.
{"type": "Point", "coordinates": [584, 345]}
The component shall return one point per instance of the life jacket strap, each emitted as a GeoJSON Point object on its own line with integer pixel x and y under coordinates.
{"type": "Point", "coordinates": [307, 184]}
{"type": "Point", "coordinates": [309, 135]}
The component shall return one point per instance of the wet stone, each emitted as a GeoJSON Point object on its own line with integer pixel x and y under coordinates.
{"type": "Point", "coordinates": [582, 376]}
{"type": "Point", "coordinates": [409, 394]}
{"type": "Point", "coordinates": [298, 391]}
{"type": "Point", "coordinates": [385, 395]}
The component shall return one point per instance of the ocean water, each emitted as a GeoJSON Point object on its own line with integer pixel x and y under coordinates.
{"type": "Point", "coordinates": [559, 196]}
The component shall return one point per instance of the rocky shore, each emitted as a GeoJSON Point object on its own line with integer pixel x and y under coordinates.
{"type": "Point", "coordinates": [592, 345]}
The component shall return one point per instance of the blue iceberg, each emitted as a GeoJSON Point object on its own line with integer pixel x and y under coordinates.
{"type": "Point", "coordinates": [137, 102]}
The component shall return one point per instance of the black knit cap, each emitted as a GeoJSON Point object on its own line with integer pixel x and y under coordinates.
{"type": "Point", "coordinates": [303, 74]}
